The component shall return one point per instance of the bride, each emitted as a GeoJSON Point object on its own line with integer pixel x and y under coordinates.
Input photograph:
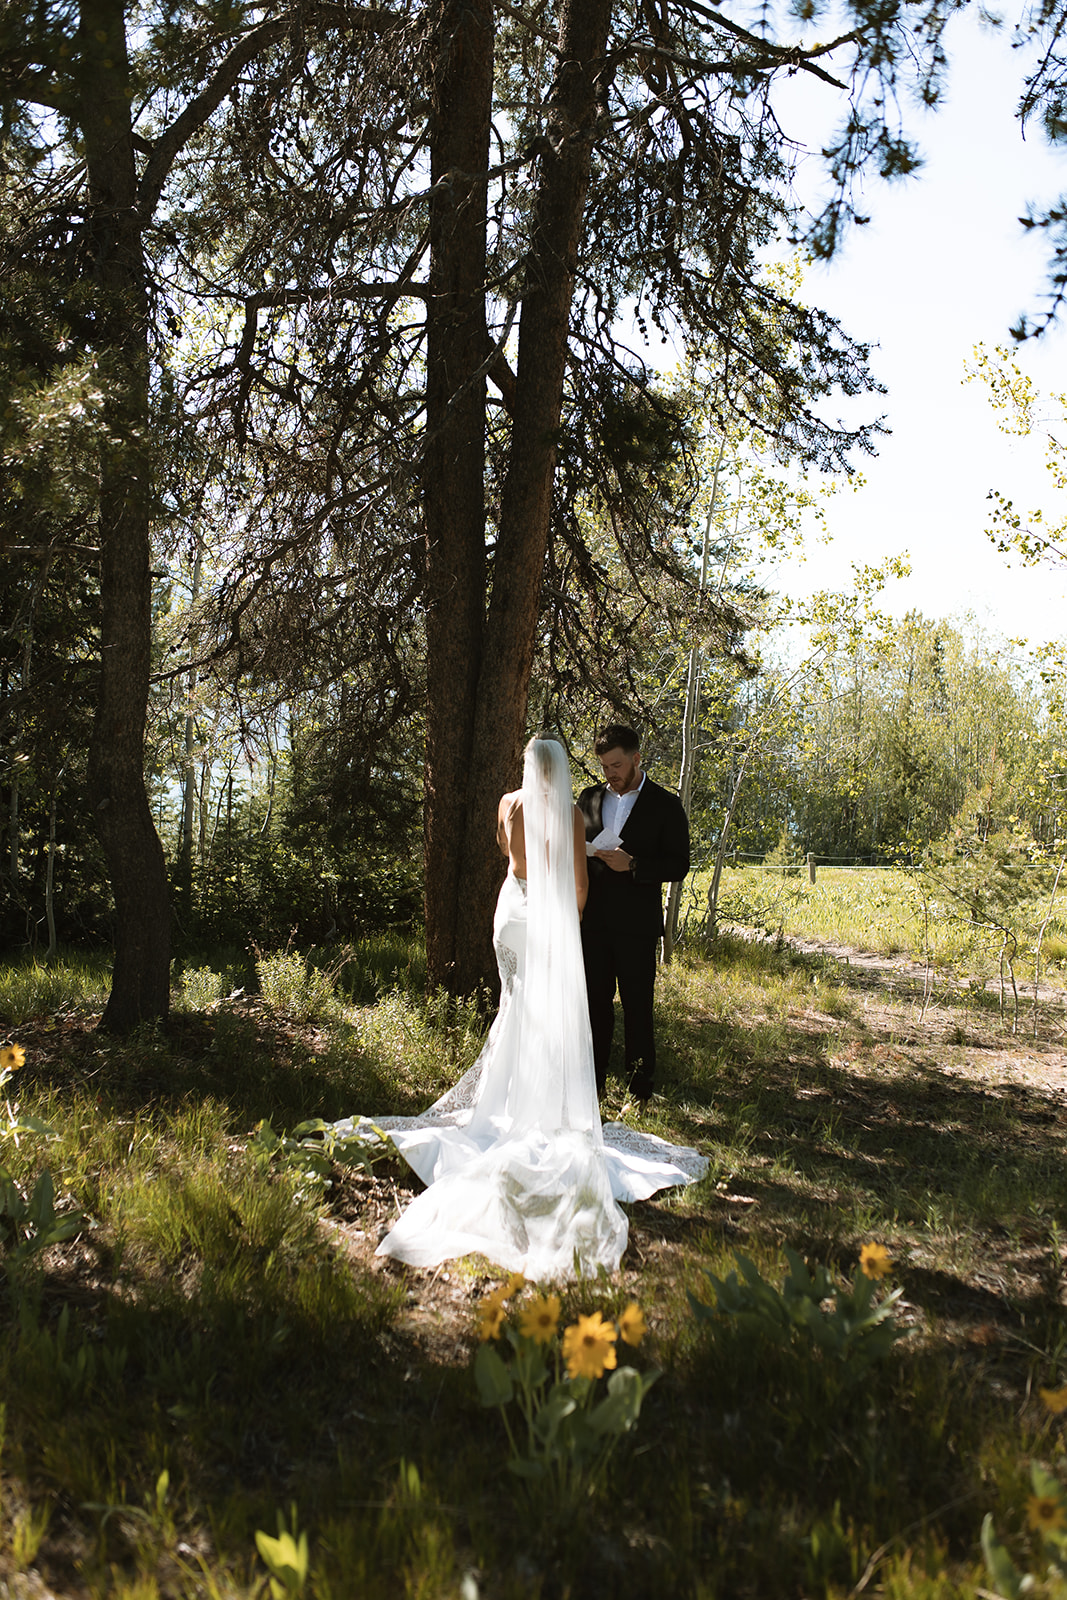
{"type": "Point", "coordinates": [516, 1162]}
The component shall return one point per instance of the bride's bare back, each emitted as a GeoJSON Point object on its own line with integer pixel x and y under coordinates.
{"type": "Point", "coordinates": [511, 836]}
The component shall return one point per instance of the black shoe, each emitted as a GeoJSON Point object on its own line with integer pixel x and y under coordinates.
{"type": "Point", "coordinates": [640, 1085]}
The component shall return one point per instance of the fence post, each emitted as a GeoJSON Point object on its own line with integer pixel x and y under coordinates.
{"type": "Point", "coordinates": [811, 867]}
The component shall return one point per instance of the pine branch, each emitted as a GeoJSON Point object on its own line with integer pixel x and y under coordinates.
{"type": "Point", "coordinates": [170, 144]}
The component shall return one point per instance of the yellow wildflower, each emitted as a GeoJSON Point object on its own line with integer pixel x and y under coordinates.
{"type": "Point", "coordinates": [874, 1261]}
{"type": "Point", "coordinates": [504, 1291]}
{"type": "Point", "coordinates": [1044, 1513]}
{"type": "Point", "coordinates": [540, 1318]}
{"type": "Point", "coordinates": [632, 1324]}
{"type": "Point", "coordinates": [589, 1347]}
{"type": "Point", "coordinates": [491, 1312]}
{"type": "Point", "coordinates": [11, 1057]}
{"type": "Point", "coordinates": [1055, 1399]}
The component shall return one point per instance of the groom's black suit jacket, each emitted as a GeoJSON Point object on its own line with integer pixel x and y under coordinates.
{"type": "Point", "coordinates": [656, 835]}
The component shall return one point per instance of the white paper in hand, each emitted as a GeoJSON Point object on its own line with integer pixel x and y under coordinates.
{"type": "Point", "coordinates": [605, 840]}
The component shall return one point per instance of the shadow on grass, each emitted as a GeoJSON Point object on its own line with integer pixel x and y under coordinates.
{"type": "Point", "coordinates": [826, 1131]}
{"type": "Point", "coordinates": [751, 1473]}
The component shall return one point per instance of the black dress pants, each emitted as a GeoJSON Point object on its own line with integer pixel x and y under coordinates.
{"type": "Point", "coordinates": [615, 958]}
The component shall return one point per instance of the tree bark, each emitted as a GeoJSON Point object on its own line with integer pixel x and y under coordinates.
{"type": "Point", "coordinates": [454, 460]}
{"type": "Point", "coordinates": [503, 682]}
{"type": "Point", "coordinates": [140, 989]}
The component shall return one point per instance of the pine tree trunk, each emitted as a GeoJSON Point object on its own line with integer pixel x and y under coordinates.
{"type": "Point", "coordinates": [454, 462]}
{"type": "Point", "coordinates": [526, 501]}
{"type": "Point", "coordinates": [140, 988]}
{"type": "Point", "coordinates": [690, 715]}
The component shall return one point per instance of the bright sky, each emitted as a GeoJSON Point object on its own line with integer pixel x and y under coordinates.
{"type": "Point", "coordinates": [944, 265]}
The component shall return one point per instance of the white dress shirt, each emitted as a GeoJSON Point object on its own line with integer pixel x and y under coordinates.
{"type": "Point", "coordinates": [617, 807]}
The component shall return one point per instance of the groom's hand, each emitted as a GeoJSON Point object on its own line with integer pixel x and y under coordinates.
{"type": "Point", "coordinates": [617, 860]}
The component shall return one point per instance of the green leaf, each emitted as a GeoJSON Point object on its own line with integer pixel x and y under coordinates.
{"type": "Point", "coordinates": [799, 1280]}
{"type": "Point", "coordinates": [41, 1211]}
{"type": "Point", "coordinates": [11, 1202]}
{"type": "Point", "coordinates": [999, 1564]}
{"type": "Point", "coordinates": [58, 1233]}
{"type": "Point", "coordinates": [1045, 1485]}
{"type": "Point", "coordinates": [304, 1129]}
{"type": "Point", "coordinates": [35, 1125]}
{"type": "Point", "coordinates": [749, 1271]}
{"type": "Point", "coordinates": [286, 1559]}
{"type": "Point", "coordinates": [700, 1308]}
{"type": "Point", "coordinates": [621, 1407]}
{"type": "Point", "coordinates": [264, 1141]}
{"type": "Point", "coordinates": [495, 1386]}
{"type": "Point", "coordinates": [548, 1422]}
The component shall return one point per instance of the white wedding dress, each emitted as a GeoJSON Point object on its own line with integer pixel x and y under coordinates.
{"type": "Point", "coordinates": [517, 1164]}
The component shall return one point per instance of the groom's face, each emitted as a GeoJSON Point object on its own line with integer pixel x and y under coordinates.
{"type": "Point", "coordinates": [622, 772]}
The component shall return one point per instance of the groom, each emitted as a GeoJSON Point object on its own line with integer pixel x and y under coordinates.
{"type": "Point", "coordinates": [641, 837]}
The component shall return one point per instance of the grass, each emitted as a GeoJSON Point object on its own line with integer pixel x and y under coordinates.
{"type": "Point", "coordinates": [75, 985]}
{"type": "Point", "coordinates": [892, 912]}
{"type": "Point", "coordinates": [221, 1347]}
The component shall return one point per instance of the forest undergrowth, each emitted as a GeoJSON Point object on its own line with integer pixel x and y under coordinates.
{"type": "Point", "coordinates": [212, 1386]}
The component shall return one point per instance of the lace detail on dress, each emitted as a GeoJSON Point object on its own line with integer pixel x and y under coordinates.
{"type": "Point", "coordinates": [642, 1163]}
{"type": "Point", "coordinates": [454, 1107]}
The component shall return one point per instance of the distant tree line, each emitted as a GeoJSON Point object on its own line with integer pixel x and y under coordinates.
{"type": "Point", "coordinates": [303, 829]}
{"type": "Point", "coordinates": [892, 743]}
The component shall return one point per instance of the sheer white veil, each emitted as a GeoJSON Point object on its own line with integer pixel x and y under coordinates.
{"type": "Point", "coordinates": [513, 1156]}
{"type": "Point", "coordinates": [556, 1088]}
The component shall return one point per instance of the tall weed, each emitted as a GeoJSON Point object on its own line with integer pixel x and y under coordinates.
{"type": "Point", "coordinates": [291, 985]}
{"type": "Point", "coordinates": [200, 988]}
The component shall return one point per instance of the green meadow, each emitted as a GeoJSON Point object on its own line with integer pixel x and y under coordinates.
{"type": "Point", "coordinates": [211, 1385]}
{"type": "Point", "coordinates": [925, 917]}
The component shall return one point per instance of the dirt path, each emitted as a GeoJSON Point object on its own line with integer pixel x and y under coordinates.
{"type": "Point", "coordinates": [899, 973]}
{"type": "Point", "coordinates": [959, 1014]}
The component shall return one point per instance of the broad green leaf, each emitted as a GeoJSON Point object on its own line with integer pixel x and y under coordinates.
{"type": "Point", "coordinates": [491, 1374]}
{"type": "Point", "coordinates": [621, 1407]}
{"type": "Point", "coordinates": [286, 1559]}
{"type": "Point", "coordinates": [560, 1405]}
{"type": "Point", "coordinates": [999, 1564]}
{"type": "Point", "coordinates": [41, 1210]}
{"type": "Point", "coordinates": [35, 1125]}
{"type": "Point", "coordinates": [1046, 1486]}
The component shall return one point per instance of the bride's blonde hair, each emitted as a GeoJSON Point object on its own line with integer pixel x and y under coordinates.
{"type": "Point", "coordinates": [541, 757]}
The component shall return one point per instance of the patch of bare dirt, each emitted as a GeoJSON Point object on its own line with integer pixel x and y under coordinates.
{"type": "Point", "coordinates": [889, 971]}
{"type": "Point", "coordinates": [903, 997]}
